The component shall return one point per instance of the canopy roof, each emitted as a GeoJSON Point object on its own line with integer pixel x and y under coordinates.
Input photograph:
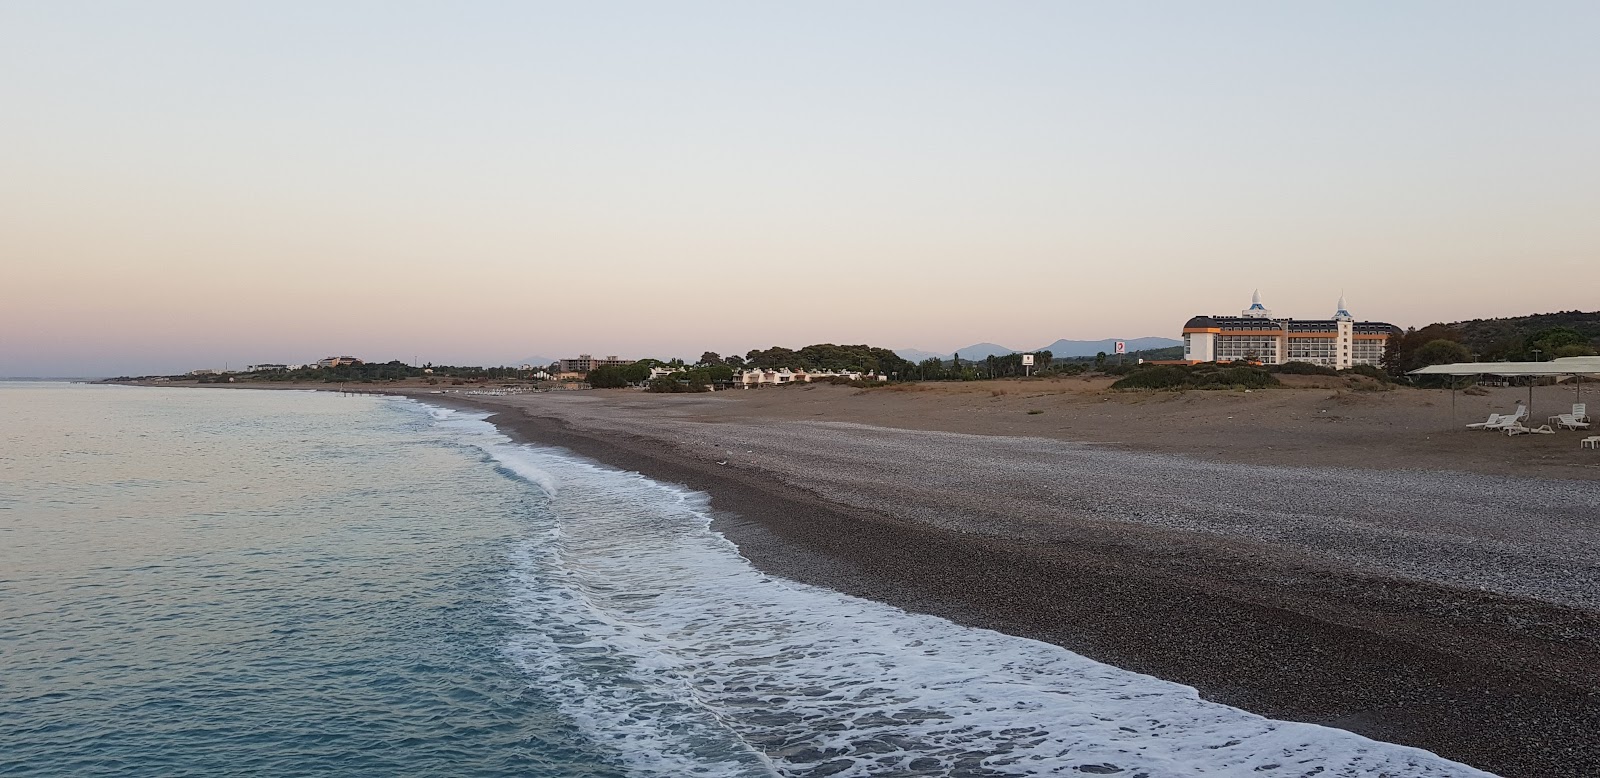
{"type": "Point", "coordinates": [1563, 366]}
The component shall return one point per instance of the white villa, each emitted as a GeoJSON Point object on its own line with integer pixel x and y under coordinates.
{"type": "Point", "coordinates": [783, 375]}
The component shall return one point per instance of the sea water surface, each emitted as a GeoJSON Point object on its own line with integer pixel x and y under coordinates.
{"type": "Point", "coordinates": [218, 582]}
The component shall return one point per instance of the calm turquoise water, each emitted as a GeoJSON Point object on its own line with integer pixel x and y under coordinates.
{"type": "Point", "coordinates": [211, 582]}
{"type": "Point", "coordinates": [208, 583]}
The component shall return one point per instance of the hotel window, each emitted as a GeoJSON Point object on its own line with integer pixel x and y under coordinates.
{"type": "Point", "coordinates": [1317, 351]}
{"type": "Point", "coordinates": [1260, 348]}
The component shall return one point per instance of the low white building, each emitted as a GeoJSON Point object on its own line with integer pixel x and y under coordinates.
{"type": "Point", "coordinates": [783, 375]}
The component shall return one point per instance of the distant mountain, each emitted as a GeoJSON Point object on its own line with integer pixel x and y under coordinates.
{"type": "Point", "coordinates": [1061, 348]}
{"type": "Point", "coordinates": [978, 351]}
{"type": "Point", "coordinates": [917, 355]}
{"type": "Point", "coordinates": [1088, 348]}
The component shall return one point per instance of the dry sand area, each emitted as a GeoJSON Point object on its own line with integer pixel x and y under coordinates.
{"type": "Point", "coordinates": [1319, 553]}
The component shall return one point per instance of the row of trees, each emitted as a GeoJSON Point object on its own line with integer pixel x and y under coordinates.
{"type": "Point", "coordinates": [1007, 366]}
{"type": "Point", "coordinates": [1438, 344]}
{"type": "Point", "coordinates": [1527, 338]}
{"type": "Point", "coordinates": [394, 370]}
{"type": "Point", "coordinates": [827, 356]}
{"type": "Point", "coordinates": [698, 376]}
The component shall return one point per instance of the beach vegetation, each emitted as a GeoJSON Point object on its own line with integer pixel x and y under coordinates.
{"type": "Point", "coordinates": [1439, 352]}
{"type": "Point", "coordinates": [1202, 376]}
{"type": "Point", "coordinates": [609, 377]}
{"type": "Point", "coordinates": [1303, 368]}
{"type": "Point", "coordinates": [998, 366]}
{"type": "Point", "coordinates": [1514, 339]}
{"type": "Point", "coordinates": [828, 356]}
{"type": "Point", "coordinates": [1369, 371]}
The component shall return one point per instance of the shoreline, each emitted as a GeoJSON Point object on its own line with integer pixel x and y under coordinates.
{"type": "Point", "coordinates": [1503, 683]}
{"type": "Point", "coordinates": [1391, 659]}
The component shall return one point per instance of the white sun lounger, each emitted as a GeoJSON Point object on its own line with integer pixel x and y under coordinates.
{"type": "Point", "coordinates": [1518, 429]}
{"type": "Point", "coordinates": [1569, 421]}
{"type": "Point", "coordinates": [1508, 422]}
{"type": "Point", "coordinates": [1494, 418]}
{"type": "Point", "coordinates": [1592, 441]}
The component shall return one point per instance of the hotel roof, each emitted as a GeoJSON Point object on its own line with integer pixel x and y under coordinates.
{"type": "Point", "coordinates": [1226, 323]}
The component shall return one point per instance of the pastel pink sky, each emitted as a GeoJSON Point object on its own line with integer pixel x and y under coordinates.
{"type": "Point", "coordinates": [188, 184]}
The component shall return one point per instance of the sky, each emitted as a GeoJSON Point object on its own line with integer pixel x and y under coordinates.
{"type": "Point", "coordinates": [199, 184]}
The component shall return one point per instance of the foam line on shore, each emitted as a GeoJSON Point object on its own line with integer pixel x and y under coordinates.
{"type": "Point", "coordinates": [657, 630]}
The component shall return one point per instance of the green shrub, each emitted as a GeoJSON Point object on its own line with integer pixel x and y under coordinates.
{"type": "Point", "coordinates": [1159, 377]}
{"type": "Point", "coordinates": [671, 385]}
{"type": "Point", "coordinates": [1303, 368]}
{"type": "Point", "coordinates": [608, 377]}
{"type": "Point", "coordinates": [1205, 376]}
{"type": "Point", "coordinates": [1370, 371]}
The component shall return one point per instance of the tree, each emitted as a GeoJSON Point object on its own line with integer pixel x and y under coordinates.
{"type": "Point", "coordinates": [637, 372]}
{"type": "Point", "coordinates": [1575, 350]}
{"type": "Point", "coordinates": [1393, 359]}
{"type": "Point", "coordinates": [608, 377]}
{"type": "Point", "coordinates": [710, 358]}
{"type": "Point", "coordinates": [1549, 341]}
{"type": "Point", "coordinates": [1100, 359]}
{"type": "Point", "coordinates": [1439, 352]}
{"type": "Point", "coordinates": [734, 361]}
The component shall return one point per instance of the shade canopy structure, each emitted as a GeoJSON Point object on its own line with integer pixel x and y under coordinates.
{"type": "Point", "coordinates": [1569, 366]}
{"type": "Point", "coordinates": [1564, 366]}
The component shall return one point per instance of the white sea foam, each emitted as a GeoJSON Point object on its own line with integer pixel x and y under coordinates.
{"type": "Point", "coordinates": [660, 640]}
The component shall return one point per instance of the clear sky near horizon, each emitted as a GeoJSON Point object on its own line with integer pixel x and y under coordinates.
{"type": "Point", "coordinates": [184, 184]}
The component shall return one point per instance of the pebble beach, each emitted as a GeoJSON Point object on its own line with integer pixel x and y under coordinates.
{"type": "Point", "coordinates": [1428, 606]}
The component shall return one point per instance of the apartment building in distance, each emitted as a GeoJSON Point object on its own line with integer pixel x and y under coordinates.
{"type": "Point", "coordinates": [338, 361]}
{"type": "Point", "coordinates": [1255, 335]}
{"type": "Point", "coordinates": [583, 363]}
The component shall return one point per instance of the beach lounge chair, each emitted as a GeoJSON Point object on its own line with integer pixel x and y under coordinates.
{"type": "Point", "coordinates": [1568, 421]}
{"type": "Point", "coordinates": [1494, 418]}
{"type": "Point", "coordinates": [1592, 441]}
{"type": "Point", "coordinates": [1518, 429]}
{"type": "Point", "coordinates": [1580, 411]}
{"type": "Point", "coordinates": [1508, 422]}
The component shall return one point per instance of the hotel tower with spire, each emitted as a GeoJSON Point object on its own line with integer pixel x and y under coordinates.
{"type": "Point", "coordinates": [1255, 335]}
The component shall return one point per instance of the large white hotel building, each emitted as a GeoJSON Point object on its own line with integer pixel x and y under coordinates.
{"type": "Point", "coordinates": [1255, 335]}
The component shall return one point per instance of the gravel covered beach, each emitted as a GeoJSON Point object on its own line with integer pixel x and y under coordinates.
{"type": "Point", "coordinates": [1448, 610]}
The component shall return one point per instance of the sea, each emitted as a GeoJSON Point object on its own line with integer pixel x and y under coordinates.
{"type": "Point", "coordinates": [204, 582]}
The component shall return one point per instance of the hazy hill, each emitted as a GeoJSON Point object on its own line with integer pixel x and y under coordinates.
{"type": "Point", "coordinates": [979, 351]}
{"type": "Point", "coordinates": [1512, 337]}
{"type": "Point", "coordinates": [1088, 348]}
{"type": "Point", "coordinates": [917, 355]}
